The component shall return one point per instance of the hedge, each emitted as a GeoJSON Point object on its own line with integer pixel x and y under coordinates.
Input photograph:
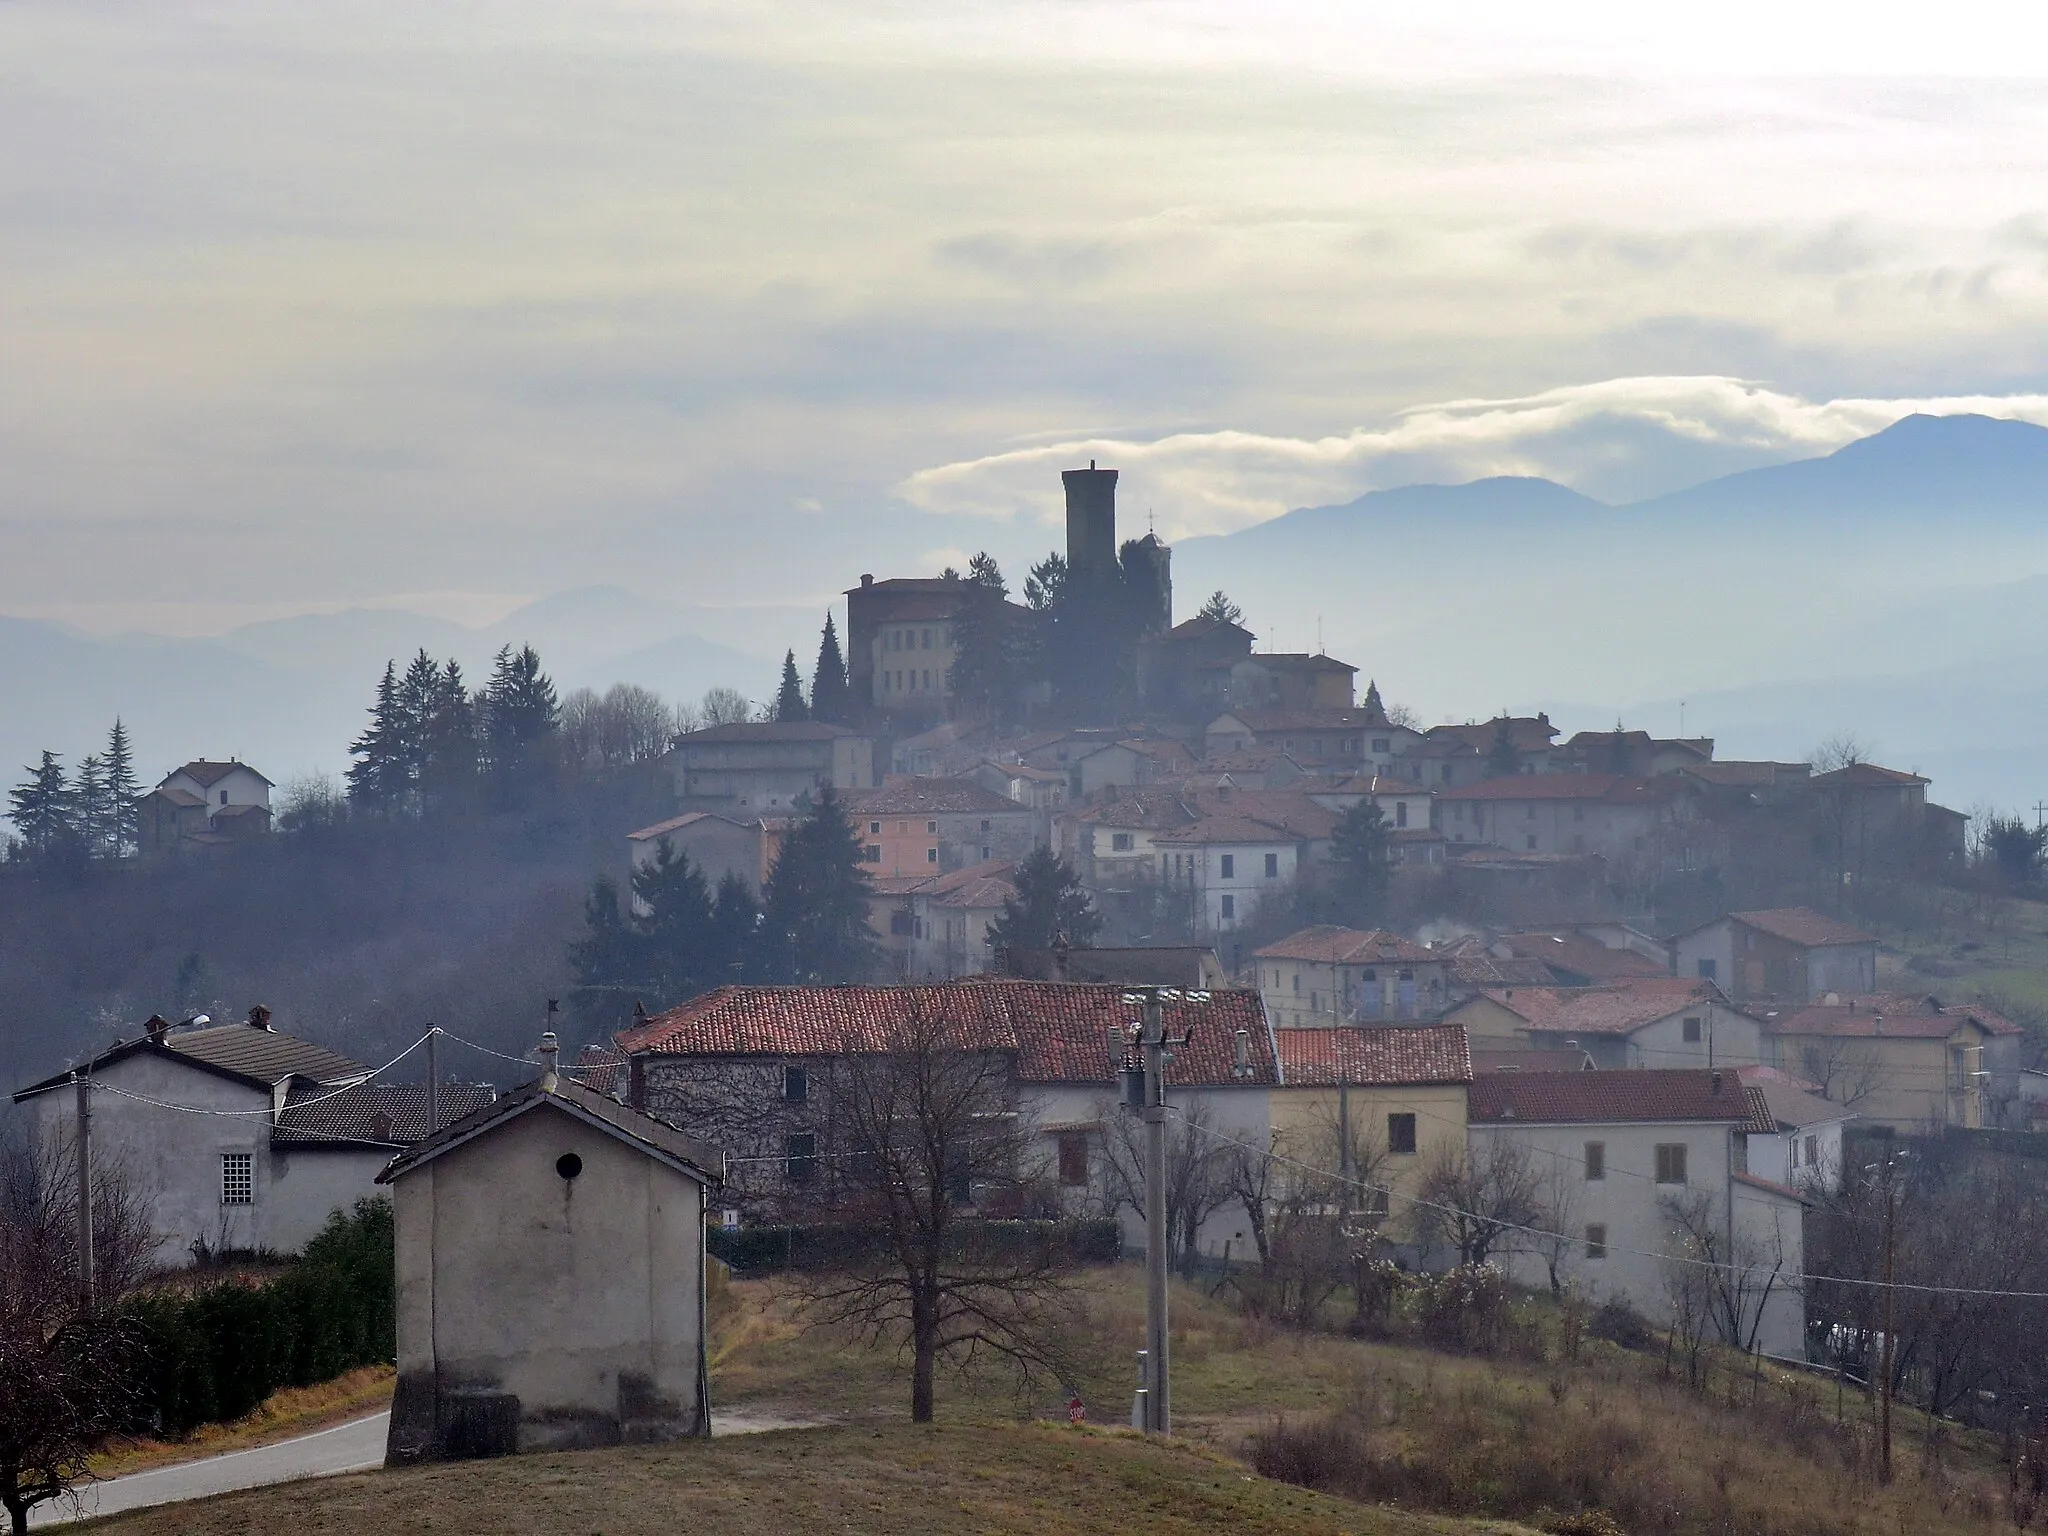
{"type": "Point", "coordinates": [773, 1250]}
{"type": "Point", "coordinates": [215, 1353]}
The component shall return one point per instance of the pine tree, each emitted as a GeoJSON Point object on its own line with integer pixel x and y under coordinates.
{"type": "Point", "coordinates": [814, 919]}
{"type": "Point", "coordinates": [735, 931]}
{"type": "Point", "coordinates": [521, 719]}
{"type": "Point", "coordinates": [125, 792]}
{"type": "Point", "coordinates": [418, 688]}
{"type": "Point", "coordinates": [984, 676]}
{"type": "Point", "coordinates": [41, 809]}
{"type": "Point", "coordinates": [608, 956]}
{"type": "Point", "coordinates": [1050, 905]}
{"type": "Point", "coordinates": [377, 776]}
{"type": "Point", "coordinates": [789, 699]}
{"type": "Point", "coordinates": [448, 739]}
{"type": "Point", "coordinates": [1375, 706]}
{"type": "Point", "coordinates": [831, 699]}
{"type": "Point", "coordinates": [1361, 857]}
{"type": "Point", "coordinates": [92, 807]}
{"type": "Point", "coordinates": [1221, 608]}
{"type": "Point", "coordinates": [672, 917]}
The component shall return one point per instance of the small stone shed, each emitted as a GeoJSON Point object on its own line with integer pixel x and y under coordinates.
{"type": "Point", "coordinates": [550, 1267]}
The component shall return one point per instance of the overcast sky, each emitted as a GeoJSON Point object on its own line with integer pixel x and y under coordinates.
{"type": "Point", "coordinates": [446, 306]}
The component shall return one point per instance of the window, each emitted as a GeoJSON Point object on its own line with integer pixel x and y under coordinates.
{"type": "Point", "coordinates": [932, 827]}
{"type": "Point", "coordinates": [931, 855]}
{"type": "Point", "coordinates": [1073, 1158]}
{"type": "Point", "coordinates": [1690, 1031]}
{"type": "Point", "coordinates": [223, 797]}
{"type": "Point", "coordinates": [796, 1085]}
{"type": "Point", "coordinates": [874, 829]}
{"type": "Point", "coordinates": [1671, 1162]}
{"type": "Point", "coordinates": [1596, 1159]}
{"type": "Point", "coordinates": [926, 642]}
{"type": "Point", "coordinates": [1707, 969]}
{"type": "Point", "coordinates": [1297, 983]}
{"type": "Point", "coordinates": [1813, 1151]}
{"type": "Point", "coordinates": [899, 924]}
{"type": "Point", "coordinates": [986, 824]}
{"type": "Point", "coordinates": [800, 1157]}
{"type": "Point", "coordinates": [984, 852]}
{"type": "Point", "coordinates": [1532, 842]}
{"type": "Point", "coordinates": [238, 1178]}
{"type": "Point", "coordinates": [1272, 866]}
{"type": "Point", "coordinates": [1401, 1133]}
{"type": "Point", "coordinates": [1379, 743]}
{"type": "Point", "coordinates": [1400, 813]}
{"type": "Point", "coordinates": [1227, 908]}
{"type": "Point", "coordinates": [1596, 1240]}
{"type": "Point", "coordinates": [1230, 866]}
{"type": "Point", "coordinates": [872, 853]}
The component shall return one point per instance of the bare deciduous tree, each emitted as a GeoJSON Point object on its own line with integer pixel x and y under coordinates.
{"type": "Point", "coordinates": [725, 706]}
{"type": "Point", "coordinates": [1481, 1200]}
{"type": "Point", "coordinates": [935, 1144]}
{"type": "Point", "coordinates": [1196, 1158]}
{"type": "Point", "coordinates": [66, 1377]}
{"type": "Point", "coordinates": [623, 725]}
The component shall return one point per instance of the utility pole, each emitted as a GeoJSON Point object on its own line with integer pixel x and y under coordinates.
{"type": "Point", "coordinates": [82, 1087]}
{"type": "Point", "coordinates": [1145, 1091]}
{"type": "Point", "coordinates": [1885, 1346]}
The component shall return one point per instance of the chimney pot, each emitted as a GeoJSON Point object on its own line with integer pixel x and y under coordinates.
{"type": "Point", "coordinates": [549, 1047]}
{"type": "Point", "coordinates": [867, 578]}
{"type": "Point", "coordinates": [158, 1026]}
{"type": "Point", "coordinates": [259, 1017]}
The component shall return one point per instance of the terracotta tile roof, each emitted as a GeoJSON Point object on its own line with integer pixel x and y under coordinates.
{"type": "Point", "coordinates": [644, 1132]}
{"type": "Point", "coordinates": [1777, 1189]}
{"type": "Point", "coordinates": [263, 1055]}
{"type": "Point", "coordinates": [763, 731]}
{"type": "Point", "coordinates": [1368, 784]}
{"type": "Point", "coordinates": [1145, 811]}
{"type": "Point", "coordinates": [1802, 925]}
{"type": "Point", "coordinates": [1185, 965]}
{"type": "Point", "coordinates": [1743, 775]}
{"type": "Point", "coordinates": [1026, 771]}
{"type": "Point", "coordinates": [1226, 829]}
{"type": "Point", "coordinates": [1873, 1015]}
{"type": "Point", "coordinates": [1202, 624]}
{"type": "Point", "coordinates": [1608, 788]}
{"type": "Point", "coordinates": [988, 884]}
{"type": "Point", "coordinates": [676, 824]}
{"type": "Point", "coordinates": [1265, 721]}
{"type": "Point", "coordinates": [1785, 1103]}
{"type": "Point", "coordinates": [184, 799]}
{"type": "Point", "coordinates": [1288, 809]}
{"type": "Point", "coordinates": [1530, 1061]}
{"type": "Point", "coordinates": [1529, 734]}
{"type": "Point", "coordinates": [1058, 1031]}
{"type": "Point", "coordinates": [1371, 1058]}
{"type": "Point", "coordinates": [1579, 955]}
{"type": "Point", "coordinates": [206, 774]}
{"type": "Point", "coordinates": [910, 795]}
{"type": "Point", "coordinates": [1618, 1009]}
{"type": "Point", "coordinates": [600, 1067]}
{"type": "Point", "coordinates": [382, 1114]}
{"type": "Point", "coordinates": [1483, 970]}
{"type": "Point", "coordinates": [1866, 776]}
{"type": "Point", "coordinates": [1348, 946]}
{"type": "Point", "coordinates": [1609, 1098]}
{"type": "Point", "coordinates": [1299, 661]}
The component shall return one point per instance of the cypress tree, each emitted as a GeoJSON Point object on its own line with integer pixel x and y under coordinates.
{"type": "Point", "coordinates": [377, 776]}
{"type": "Point", "coordinates": [789, 699]}
{"type": "Point", "coordinates": [814, 918]}
{"type": "Point", "coordinates": [125, 792]}
{"type": "Point", "coordinates": [831, 699]}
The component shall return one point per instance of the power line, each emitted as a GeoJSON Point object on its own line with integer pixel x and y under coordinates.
{"type": "Point", "coordinates": [244, 1114]}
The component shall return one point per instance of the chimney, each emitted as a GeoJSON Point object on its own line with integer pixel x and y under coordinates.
{"type": "Point", "coordinates": [867, 578]}
{"type": "Point", "coordinates": [549, 1048]}
{"type": "Point", "coordinates": [1877, 1023]}
{"type": "Point", "coordinates": [1717, 1085]}
{"type": "Point", "coordinates": [157, 1026]}
{"type": "Point", "coordinates": [1241, 1058]}
{"type": "Point", "coordinates": [259, 1017]}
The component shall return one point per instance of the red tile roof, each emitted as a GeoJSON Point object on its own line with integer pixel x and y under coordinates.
{"type": "Point", "coordinates": [1609, 1098]}
{"type": "Point", "coordinates": [1370, 1058]}
{"type": "Point", "coordinates": [1146, 811]}
{"type": "Point", "coordinates": [1348, 946]}
{"type": "Point", "coordinates": [910, 795]}
{"type": "Point", "coordinates": [1529, 734]}
{"type": "Point", "coordinates": [1802, 925]}
{"type": "Point", "coordinates": [205, 773]}
{"type": "Point", "coordinates": [1581, 956]}
{"type": "Point", "coordinates": [1608, 788]}
{"type": "Point", "coordinates": [1617, 1009]}
{"type": "Point", "coordinates": [764, 730]}
{"type": "Point", "coordinates": [1878, 1014]}
{"type": "Point", "coordinates": [1866, 776]}
{"type": "Point", "coordinates": [1264, 721]}
{"type": "Point", "coordinates": [987, 884]}
{"type": "Point", "coordinates": [1287, 809]}
{"type": "Point", "coordinates": [1059, 1031]}
{"type": "Point", "coordinates": [1229, 829]}
{"type": "Point", "coordinates": [1530, 1061]}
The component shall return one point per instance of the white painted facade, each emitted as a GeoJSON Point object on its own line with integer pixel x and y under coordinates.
{"type": "Point", "coordinates": [1228, 879]}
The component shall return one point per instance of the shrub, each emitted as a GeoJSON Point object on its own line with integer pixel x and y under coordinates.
{"type": "Point", "coordinates": [1465, 1308]}
{"type": "Point", "coordinates": [1591, 1522]}
{"type": "Point", "coordinates": [1619, 1323]}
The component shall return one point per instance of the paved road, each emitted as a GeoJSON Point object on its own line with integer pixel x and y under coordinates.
{"type": "Point", "coordinates": [346, 1447]}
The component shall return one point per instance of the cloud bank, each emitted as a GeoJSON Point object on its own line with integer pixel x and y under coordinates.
{"type": "Point", "coordinates": [1616, 439]}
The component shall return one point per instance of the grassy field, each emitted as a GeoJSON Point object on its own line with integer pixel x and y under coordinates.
{"type": "Point", "coordinates": [1971, 947]}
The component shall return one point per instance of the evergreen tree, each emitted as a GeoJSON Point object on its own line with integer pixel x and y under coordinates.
{"type": "Point", "coordinates": [1221, 608]}
{"type": "Point", "coordinates": [41, 809]}
{"type": "Point", "coordinates": [735, 932]}
{"type": "Point", "coordinates": [377, 776]}
{"type": "Point", "coordinates": [789, 698]}
{"type": "Point", "coordinates": [521, 719]}
{"type": "Point", "coordinates": [448, 739]}
{"type": "Point", "coordinates": [608, 956]}
{"type": "Point", "coordinates": [1047, 583]}
{"type": "Point", "coordinates": [1361, 856]}
{"type": "Point", "coordinates": [418, 688]}
{"type": "Point", "coordinates": [1050, 905]}
{"type": "Point", "coordinates": [831, 698]}
{"type": "Point", "coordinates": [985, 675]}
{"type": "Point", "coordinates": [983, 571]}
{"type": "Point", "coordinates": [124, 791]}
{"type": "Point", "coordinates": [1502, 760]}
{"type": "Point", "coordinates": [672, 918]}
{"type": "Point", "coordinates": [92, 807]}
{"type": "Point", "coordinates": [1375, 706]}
{"type": "Point", "coordinates": [814, 918]}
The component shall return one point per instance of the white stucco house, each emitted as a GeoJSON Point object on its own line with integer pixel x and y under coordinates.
{"type": "Point", "coordinates": [1805, 1150]}
{"type": "Point", "coordinates": [1228, 863]}
{"type": "Point", "coordinates": [239, 1136]}
{"type": "Point", "coordinates": [1790, 953]}
{"type": "Point", "coordinates": [1625, 1156]}
{"type": "Point", "coordinates": [550, 1258]}
{"type": "Point", "coordinates": [204, 803]}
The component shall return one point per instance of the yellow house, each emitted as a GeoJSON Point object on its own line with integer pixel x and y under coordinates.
{"type": "Point", "coordinates": [1901, 1061]}
{"type": "Point", "coordinates": [1396, 1095]}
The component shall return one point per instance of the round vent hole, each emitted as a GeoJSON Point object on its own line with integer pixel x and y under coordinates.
{"type": "Point", "coordinates": [568, 1165]}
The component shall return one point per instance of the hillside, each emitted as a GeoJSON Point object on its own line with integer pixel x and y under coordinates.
{"type": "Point", "coordinates": [1009, 1480]}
